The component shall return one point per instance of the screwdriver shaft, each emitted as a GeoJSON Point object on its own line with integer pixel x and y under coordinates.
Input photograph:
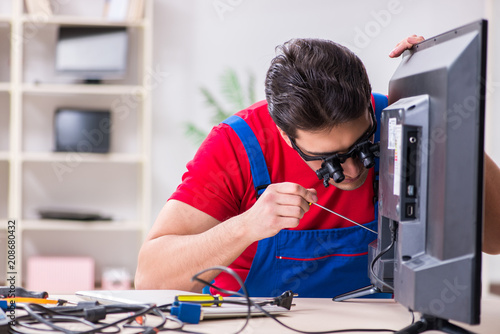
{"type": "Point", "coordinates": [338, 214]}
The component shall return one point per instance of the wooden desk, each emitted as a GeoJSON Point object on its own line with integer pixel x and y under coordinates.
{"type": "Point", "coordinates": [311, 314]}
{"type": "Point", "coordinates": [314, 314]}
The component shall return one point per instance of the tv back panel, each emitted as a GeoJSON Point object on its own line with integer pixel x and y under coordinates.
{"type": "Point", "coordinates": [431, 177]}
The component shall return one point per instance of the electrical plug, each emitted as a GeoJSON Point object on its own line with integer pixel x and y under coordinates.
{"type": "Point", "coordinates": [285, 300]}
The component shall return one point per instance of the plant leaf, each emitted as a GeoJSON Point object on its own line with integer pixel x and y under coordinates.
{"type": "Point", "coordinates": [233, 93]}
{"type": "Point", "coordinates": [211, 101]}
{"type": "Point", "coordinates": [196, 133]}
{"type": "Point", "coordinates": [219, 113]}
{"type": "Point", "coordinates": [232, 90]}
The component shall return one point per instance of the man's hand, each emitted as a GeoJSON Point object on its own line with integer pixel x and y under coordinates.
{"type": "Point", "coordinates": [281, 206]}
{"type": "Point", "coordinates": [405, 44]}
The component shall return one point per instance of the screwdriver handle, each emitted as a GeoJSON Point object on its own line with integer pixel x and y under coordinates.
{"type": "Point", "coordinates": [204, 300]}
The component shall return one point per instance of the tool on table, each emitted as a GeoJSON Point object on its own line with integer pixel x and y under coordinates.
{"type": "Point", "coordinates": [338, 214]}
{"type": "Point", "coordinates": [204, 300]}
{"type": "Point", "coordinates": [33, 300]}
{"type": "Point", "coordinates": [6, 292]}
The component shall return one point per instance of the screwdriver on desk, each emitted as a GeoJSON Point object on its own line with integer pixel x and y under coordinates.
{"type": "Point", "coordinates": [204, 299]}
{"type": "Point", "coordinates": [338, 214]}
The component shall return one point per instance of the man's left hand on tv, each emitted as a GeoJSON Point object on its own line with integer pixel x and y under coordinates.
{"type": "Point", "coordinates": [405, 44]}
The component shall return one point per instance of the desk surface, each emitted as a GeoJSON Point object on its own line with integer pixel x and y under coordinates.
{"type": "Point", "coordinates": [311, 314]}
{"type": "Point", "coordinates": [322, 314]}
{"type": "Point", "coordinates": [315, 314]}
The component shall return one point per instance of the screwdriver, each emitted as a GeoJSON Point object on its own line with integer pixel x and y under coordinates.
{"type": "Point", "coordinates": [338, 214]}
{"type": "Point", "coordinates": [204, 300]}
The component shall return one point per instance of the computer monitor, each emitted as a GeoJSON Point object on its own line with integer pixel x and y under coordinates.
{"type": "Point", "coordinates": [431, 179]}
{"type": "Point", "coordinates": [83, 131]}
{"type": "Point", "coordinates": [92, 53]}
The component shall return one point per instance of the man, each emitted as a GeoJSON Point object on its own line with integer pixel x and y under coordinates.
{"type": "Point", "coordinates": [319, 104]}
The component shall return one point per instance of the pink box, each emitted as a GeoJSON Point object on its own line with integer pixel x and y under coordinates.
{"type": "Point", "coordinates": [60, 275]}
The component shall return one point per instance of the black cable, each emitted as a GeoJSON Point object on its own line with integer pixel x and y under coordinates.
{"type": "Point", "coordinates": [32, 325]}
{"type": "Point", "coordinates": [260, 308]}
{"type": "Point", "coordinates": [240, 282]}
{"type": "Point", "coordinates": [52, 314]}
{"type": "Point", "coordinates": [379, 255]}
{"type": "Point", "coordinates": [158, 327]}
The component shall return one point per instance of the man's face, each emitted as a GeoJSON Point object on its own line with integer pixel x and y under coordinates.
{"type": "Point", "coordinates": [337, 140]}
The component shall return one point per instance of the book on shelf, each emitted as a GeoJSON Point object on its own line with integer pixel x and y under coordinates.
{"type": "Point", "coordinates": [38, 7]}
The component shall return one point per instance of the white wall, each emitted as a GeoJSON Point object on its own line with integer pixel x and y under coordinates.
{"type": "Point", "coordinates": [195, 40]}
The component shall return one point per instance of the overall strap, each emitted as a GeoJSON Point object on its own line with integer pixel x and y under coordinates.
{"type": "Point", "coordinates": [380, 101]}
{"type": "Point", "coordinates": [258, 166]}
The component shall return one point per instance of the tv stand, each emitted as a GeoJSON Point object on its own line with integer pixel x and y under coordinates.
{"type": "Point", "coordinates": [427, 323]}
{"type": "Point", "coordinates": [366, 291]}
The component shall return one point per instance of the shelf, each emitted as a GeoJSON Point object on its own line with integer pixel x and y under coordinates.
{"type": "Point", "coordinates": [73, 225]}
{"type": "Point", "coordinates": [33, 176]}
{"type": "Point", "coordinates": [61, 89]}
{"type": "Point", "coordinates": [85, 157]}
{"type": "Point", "coordinates": [4, 86]}
{"type": "Point", "coordinates": [5, 19]}
{"type": "Point", "coordinates": [78, 20]}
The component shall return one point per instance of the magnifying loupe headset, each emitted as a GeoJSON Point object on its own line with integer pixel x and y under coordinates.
{"type": "Point", "coordinates": [364, 149]}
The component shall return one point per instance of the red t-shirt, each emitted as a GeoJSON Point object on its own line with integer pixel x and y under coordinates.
{"type": "Point", "coordinates": [219, 182]}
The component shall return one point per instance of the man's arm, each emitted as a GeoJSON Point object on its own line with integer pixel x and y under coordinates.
{"type": "Point", "coordinates": [184, 240]}
{"type": "Point", "coordinates": [491, 239]}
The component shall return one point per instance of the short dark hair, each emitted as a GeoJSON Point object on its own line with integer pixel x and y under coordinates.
{"type": "Point", "coordinates": [315, 84]}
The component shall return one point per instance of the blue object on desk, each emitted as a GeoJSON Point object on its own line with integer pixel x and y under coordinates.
{"type": "Point", "coordinates": [187, 312]}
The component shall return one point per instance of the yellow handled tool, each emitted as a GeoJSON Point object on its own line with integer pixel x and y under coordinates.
{"type": "Point", "coordinates": [30, 300]}
{"type": "Point", "coordinates": [204, 300]}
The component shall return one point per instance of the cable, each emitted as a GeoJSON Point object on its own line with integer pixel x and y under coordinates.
{"type": "Point", "coordinates": [50, 316]}
{"type": "Point", "coordinates": [89, 314]}
{"type": "Point", "coordinates": [412, 316]}
{"type": "Point", "coordinates": [240, 282]}
{"type": "Point", "coordinates": [379, 255]}
{"type": "Point", "coordinates": [250, 303]}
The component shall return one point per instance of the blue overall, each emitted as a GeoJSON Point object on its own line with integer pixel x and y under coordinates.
{"type": "Point", "coordinates": [312, 263]}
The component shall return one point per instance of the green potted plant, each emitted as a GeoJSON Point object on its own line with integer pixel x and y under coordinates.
{"type": "Point", "coordinates": [236, 97]}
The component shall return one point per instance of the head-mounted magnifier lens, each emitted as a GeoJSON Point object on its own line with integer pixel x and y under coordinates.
{"type": "Point", "coordinates": [331, 168]}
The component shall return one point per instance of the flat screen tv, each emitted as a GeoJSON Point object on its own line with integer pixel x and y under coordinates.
{"type": "Point", "coordinates": [428, 248]}
{"type": "Point", "coordinates": [84, 131]}
{"type": "Point", "coordinates": [431, 179]}
{"type": "Point", "coordinates": [92, 54]}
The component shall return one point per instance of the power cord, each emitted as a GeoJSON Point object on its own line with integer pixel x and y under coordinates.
{"type": "Point", "coordinates": [250, 303]}
{"type": "Point", "coordinates": [90, 314]}
{"type": "Point", "coordinates": [38, 314]}
{"type": "Point", "coordinates": [240, 282]}
{"type": "Point", "coordinates": [393, 228]}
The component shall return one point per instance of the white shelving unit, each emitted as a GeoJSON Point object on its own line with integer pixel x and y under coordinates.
{"type": "Point", "coordinates": [34, 177]}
